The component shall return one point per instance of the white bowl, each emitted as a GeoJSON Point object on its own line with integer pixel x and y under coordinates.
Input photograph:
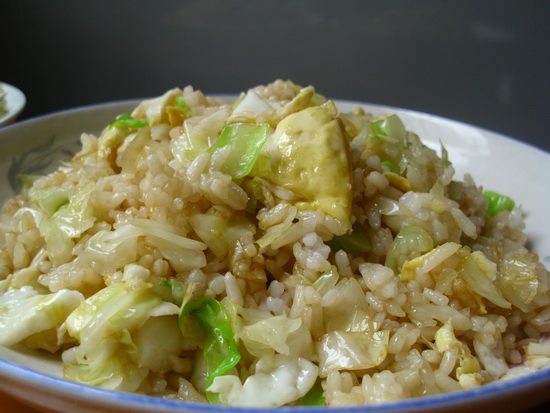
{"type": "Point", "coordinates": [495, 161]}
{"type": "Point", "coordinates": [15, 102]}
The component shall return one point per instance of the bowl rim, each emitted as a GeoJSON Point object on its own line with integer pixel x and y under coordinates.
{"type": "Point", "coordinates": [85, 392]}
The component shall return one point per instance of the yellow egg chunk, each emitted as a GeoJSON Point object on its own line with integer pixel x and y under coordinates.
{"type": "Point", "coordinates": [308, 155]}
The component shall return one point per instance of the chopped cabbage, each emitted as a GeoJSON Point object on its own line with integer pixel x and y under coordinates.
{"type": "Point", "coordinates": [220, 350]}
{"type": "Point", "coordinates": [52, 199]}
{"type": "Point", "coordinates": [345, 308]}
{"type": "Point", "coordinates": [441, 313]}
{"type": "Point", "coordinates": [428, 261]}
{"type": "Point", "coordinates": [270, 334]}
{"type": "Point", "coordinates": [67, 222]}
{"type": "Point", "coordinates": [409, 243]}
{"type": "Point", "coordinates": [25, 313]}
{"type": "Point", "coordinates": [518, 279]}
{"type": "Point", "coordinates": [154, 110]}
{"type": "Point", "coordinates": [355, 350]}
{"type": "Point", "coordinates": [468, 370]}
{"type": "Point", "coordinates": [158, 341]}
{"type": "Point", "coordinates": [327, 281]}
{"type": "Point", "coordinates": [480, 273]}
{"type": "Point", "coordinates": [219, 230]}
{"type": "Point", "coordinates": [126, 120]}
{"type": "Point", "coordinates": [109, 250]}
{"type": "Point", "coordinates": [497, 203]}
{"type": "Point", "coordinates": [314, 397]}
{"type": "Point", "coordinates": [390, 129]}
{"type": "Point", "coordinates": [173, 291]}
{"type": "Point", "coordinates": [278, 380]}
{"type": "Point", "coordinates": [355, 242]}
{"type": "Point", "coordinates": [109, 142]}
{"type": "Point", "coordinates": [107, 354]}
{"type": "Point", "coordinates": [182, 105]}
{"type": "Point", "coordinates": [249, 108]}
{"type": "Point", "coordinates": [131, 150]}
{"type": "Point", "coordinates": [245, 141]}
{"type": "Point", "coordinates": [197, 135]}
{"type": "Point", "coordinates": [389, 166]}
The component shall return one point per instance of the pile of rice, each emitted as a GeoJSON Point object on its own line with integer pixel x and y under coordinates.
{"type": "Point", "coordinates": [384, 322]}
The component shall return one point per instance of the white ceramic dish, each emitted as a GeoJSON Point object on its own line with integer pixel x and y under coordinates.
{"type": "Point", "coordinates": [15, 102]}
{"type": "Point", "coordinates": [495, 161]}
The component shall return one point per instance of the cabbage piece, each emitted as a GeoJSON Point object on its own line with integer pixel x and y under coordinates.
{"type": "Point", "coordinates": [409, 243]}
{"type": "Point", "coordinates": [184, 107]}
{"type": "Point", "coordinates": [107, 355]}
{"type": "Point", "coordinates": [25, 313]}
{"type": "Point", "coordinates": [182, 253]}
{"type": "Point", "coordinates": [249, 108]}
{"type": "Point", "coordinates": [314, 397]}
{"type": "Point", "coordinates": [220, 350]}
{"type": "Point", "coordinates": [109, 142]}
{"type": "Point", "coordinates": [355, 243]}
{"type": "Point", "coordinates": [197, 135]}
{"type": "Point", "coordinates": [345, 308]}
{"type": "Point", "coordinates": [77, 216]}
{"type": "Point", "coordinates": [181, 259]}
{"type": "Point", "coordinates": [389, 166]}
{"type": "Point", "coordinates": [308, 155]}
{"type": "Point", "coordinates": [115, 307]}
{"type": "Point", "coordinates": [480, 273]}
{"type": "Point", "coordinates": [245, 141]}
{"type": "Point", "coordinates": [467, 372]}
{"type": "Point", "coordinates": [219, 230]}
{"type": "Point", "coordinates": [125, 120]}
{"type": "Point", "coordinates": [111, 364]}
{"type": "Point", "coordinates": [341, 350]}
{"type": "Point", "coordinates": [154, 110]}
{"type": "Point", "coordinates": [324, 283]}
{"type": "Point", "coordinates": [278, 380]}
{"type": "Point", "coordinates": [518, 279]}
{"type": "Point", "coordinates": [67, 222]}
{"type": "Point", "coordinates": [390, 129]}
{"type": "Point", "coordinates": [270, 334]}
{"type": "Point", "coordinates": [157, 342]}
{"type": "Point", "coordinates": [441, 313]}
{"type": "Point", "coordinates": [172, 291]}
{"type": "Point", "coordinates": [428, 261]}
{"type": "Point", "coordinates": [497, 203]}
{"type": "Point", "coordinates": [58, 244]}
{"type": "Point", "coordinates": [131, 150]}
{"type": "Point", "coordinates": [108, 250]}
{"type": "Point", "coordinates": [167, 232]}
{"type": "Point", "coordinates": [51, 199]}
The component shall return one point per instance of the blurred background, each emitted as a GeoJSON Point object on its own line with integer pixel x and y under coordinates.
{"type": "Point", "coordinates": [482, 62]}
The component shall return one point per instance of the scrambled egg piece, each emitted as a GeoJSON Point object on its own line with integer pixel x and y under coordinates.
{"type": "Point", "coordinates": [308, 154]}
